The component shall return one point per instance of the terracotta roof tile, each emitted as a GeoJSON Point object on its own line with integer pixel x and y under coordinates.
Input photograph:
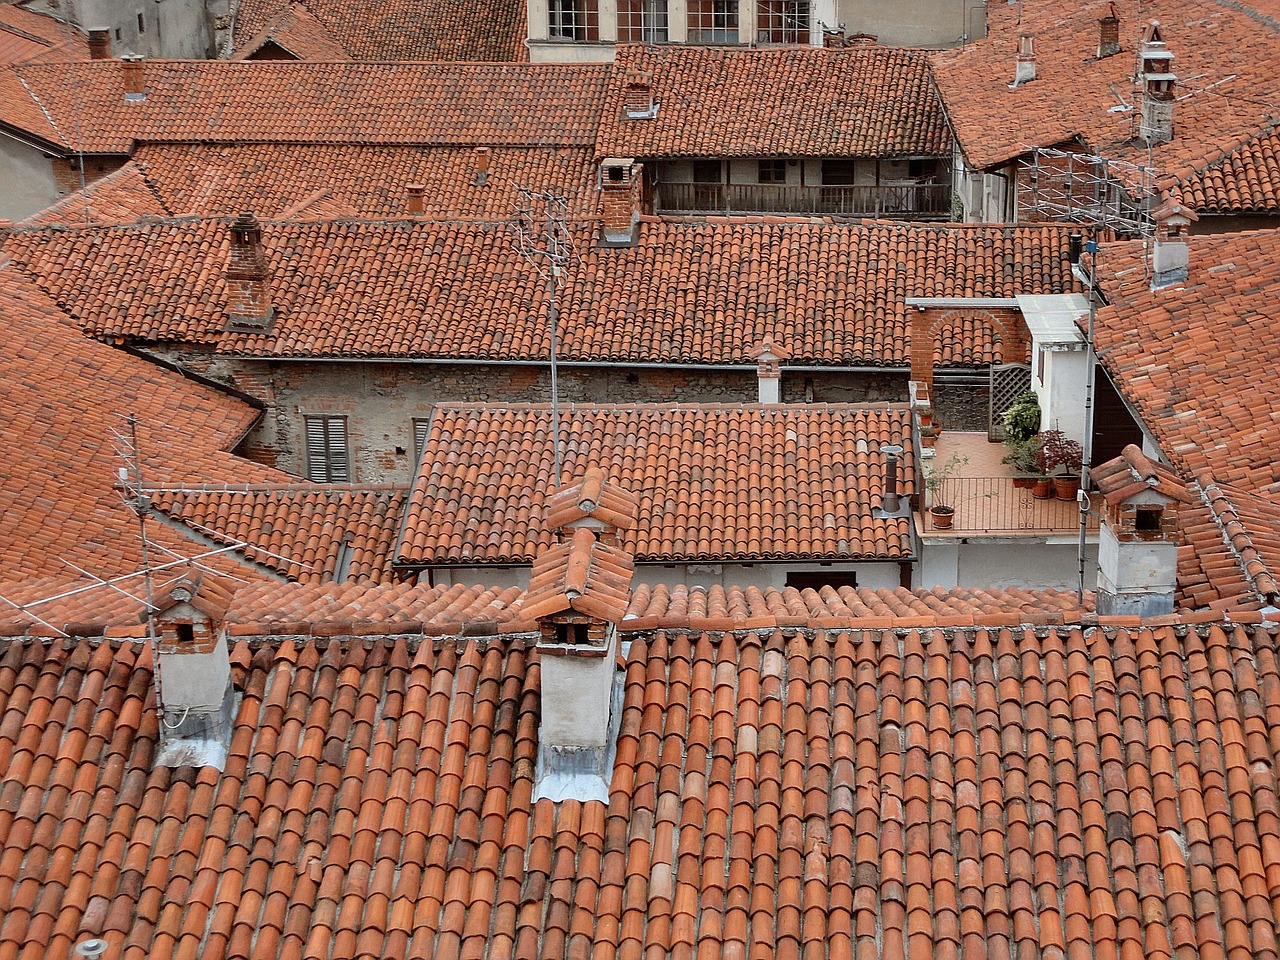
{"type": "Point", "coordinates": [1250, 525]}
{"type": "Point", "coordinates": [831, 294]}
{"type": "Point", "coordinates": [122, 196]}
{"type": "Point", "coordinates": [65, 398]}
{"type": "Point", "coordinates": [400, 30]}
{"type": "Point", "coordinates": [31, 37]}
{"type": "Point", "coordinates": [1132, 472]}
{"type": "Point", "coordinates": [714, 481]}
{"type": "Point", "coordinates": [849, 793]}
{"type": "Point", "coordinates": [1245, 179]}
{"type": "Point", "coordinates": [1225, 57]}
{"type": "Point", "coordinates": [1193, 375]}
{"type": "Point", "coordinates": [580, 574]}
{"type": "Point", "coordinates": [419, 104]}
{"type": "Point", "coordinates": [307, 532]}
{"type": "Point", "coordinates": [594, 496]}
{"type": "Point", "coordinates": [867, 101]}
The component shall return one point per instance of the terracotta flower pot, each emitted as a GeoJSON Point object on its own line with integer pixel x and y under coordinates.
{"type": "Point", "coordinates": [1065, 488]}
{"type": "Point", "coordinates": [943, 517]}
{"type": "Point", "coordinates": [1042, 488]}
{"type": "Point", "coordinates": [1023, 483]}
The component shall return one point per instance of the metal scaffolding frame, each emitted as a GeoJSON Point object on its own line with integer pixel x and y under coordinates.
{"type": "Point", "coordinates": [1098, 192]}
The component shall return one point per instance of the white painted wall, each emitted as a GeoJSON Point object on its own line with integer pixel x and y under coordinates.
{"type": "Point", "coordinates": [914, 23]}
{"type": "Point", "coordinates": [27, 184]}
{"type": "Point", "coordinates": [1059, 382]}
{"type": "Point", "coordinates": [576, 697]}
{"type": "Point", "coordinates": [195, 681]}
{"type": "Point", "coordinates": [1006, 562]}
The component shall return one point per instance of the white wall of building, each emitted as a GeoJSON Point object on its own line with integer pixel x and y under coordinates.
{"type": "Point", "coordinates": [27, 184]}
{"type": "Point", "coordinates": [1007, 562]}
{"type": "Point", "coordinates": [1059, 378]}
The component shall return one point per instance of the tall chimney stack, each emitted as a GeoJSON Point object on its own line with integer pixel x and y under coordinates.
{"type": "Point", "coordinates": [131, 77]}
{"type": "Point", "coordinates": [414, 204]}
{"type": "Point", "coordinates": [1108, 33]}
{"type": "Point", "coordinates": [621, 197]}
{"type": "Point", "coordinates": [769, 369]}
{"type": "Point", "coordinates": [1158, 80]}
{"type": "Point", "coordinates": [482, 166]}
{"type": "Point", "coordinates": [99, 44]}
{"type": "Point", "coordinates": [248, 278]}
{"type": "Point", "coordinates": [1024, 67]}
{"type": "Point", "coordinates": [1170, 254]}
{"type": "Point", "coordinates": [638, 103]}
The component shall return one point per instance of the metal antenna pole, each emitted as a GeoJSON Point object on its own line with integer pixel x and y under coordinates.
{"type": "Point", "coordinates": [552, 320]}
{"type": "Point", "coordinates": [1091, 362]}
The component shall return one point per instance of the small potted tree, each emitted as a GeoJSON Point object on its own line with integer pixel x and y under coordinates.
{"type": "Point", "coordinates": [1063, 458]}
{"type": "Point", "coordinates": [935, 477]}
{"type": "Point", "coordinates": [1024, 459]}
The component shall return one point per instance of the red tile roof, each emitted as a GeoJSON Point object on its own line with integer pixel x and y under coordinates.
{"type": "Point", "coordinates": [580, 575]}
{"type": "Point", "coordinates": [1133, 472]}
{"type": "Point", "coordinates": [1250, 525]}
{"type": "Point", "coordinates": [875, 793]}
{"type": "Point", "coordinates": [1205, 347]}
{"type": "Point", "coordinates": [386, 29]}
{"type": "Point", "coordinates": [65, 398]}
{"type": "Point", "coordinates": [828, 293]}
{"type": "Point", "coordinates": [1225, 59]}
{"type": "Point", "coordinates": [592, 497]}
{"type": "Point", "coordinates": [307, 532]}
{"type": "Point", "coordinates": [32, 37]}
{"type": "Point", "coordinates": [82, 105]}
{"type": "Point", "coordinates": [123, 196]}
{"type": "Point", "coordinates": [1245, 179]}
{"type": "Point", "coordinates": [714, 481]}
{"type": "Point", "coordinates": [868, 101]}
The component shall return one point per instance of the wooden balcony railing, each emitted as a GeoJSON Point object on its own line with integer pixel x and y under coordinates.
{"type": "Point", "coordinates": [912, 201]}
{"type": "Point", "coordinates": [995, 505]}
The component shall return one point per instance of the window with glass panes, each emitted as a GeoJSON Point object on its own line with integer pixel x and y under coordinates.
{"type": "Point", "coordinates": [573, 20]}
{"type": "Point", "coordinates": [713, 21]}
{"type": "Point", "coordinates": [784, 21]}
{"type": "Point", "coordinates": [642, 21]}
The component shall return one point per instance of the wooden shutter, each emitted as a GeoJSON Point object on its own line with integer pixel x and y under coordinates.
{"type": "Point", "coordinates": [327, 460]}
{"type": "Point", "coordinates": [421, 428]}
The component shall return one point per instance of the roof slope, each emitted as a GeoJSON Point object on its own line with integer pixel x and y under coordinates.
{"type": "Point", "coordinates": [1245, 179]}
{"type": "Point", "coordinates": [380, 30]}
{"type": "Point", "coordinates": [1225, 56]}
{"type": "Point", "coordinates": [914, 793]}
{"type": "Point", "coordinates": [31, 37]}
{"type": "Point", "coordinates": [715, 481]}
{"type": "Point", "coordinates": [122, 196]}
{"type": "Point", "coordinates": [65, 398]}
{"type": "Point", "coordinates": [1197, 373]}
{"type": "Point", "coordinates": [301, 102]}
{"type": "Point", "coordinates": [828, 293]}
{"type": "Point", "coordinates": [307, 532]}
{"type": "Point", "coordinates": [866, 101]}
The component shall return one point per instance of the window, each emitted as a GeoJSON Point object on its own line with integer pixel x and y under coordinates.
{"type": "Point", "coordinates": [713, 21]}
{"type": "Point", "coordinates": [642, 21]}
{"type": "Point", "coordinates": [837, 172]}
{"type": "Point", "coordinates": [707, 171]}
{"type": "Point", "coordinates": [574, 20]}
{"type": "Point", "coordinates": [327, 459]}
{"type": "Point", "coordinates": [1147, 520]}
{"type": "Point", "coordinates": [773, 170]}
{"type": "Point", "coordinates": [421, 428]}
{"type": "Point", "coordinates": [821, 578]}
{"type": "Point", "coordinates": [784, 21]}
{"type": "Point", "coordinates": [142, 24]}
{"type": "Point", "coordinates": [922, 168]}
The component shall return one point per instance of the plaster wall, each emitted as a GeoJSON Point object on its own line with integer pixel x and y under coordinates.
{"type": "Point", "coordinates": [1136, 566]}
{"type": "Point", "coordinates": [27, 181]}
{"type": "Point", "coordinates": [197, 681]}
{"type": "Point", "coordinates": [576, 697]}
{"type": "Point", "coordinates": [1060, 387]}
{"type": "Point", "coordinates": [915, 23]}
{"type": "Point", "coordinates": [1007, 562]}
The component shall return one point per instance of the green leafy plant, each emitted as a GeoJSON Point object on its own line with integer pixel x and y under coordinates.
{"type": "Point", "coordinates": [1025, 457]}
{"type": "Point", "coordinates": [1022, 420]}
{"type": "Point", "coordinates": [937, 474]}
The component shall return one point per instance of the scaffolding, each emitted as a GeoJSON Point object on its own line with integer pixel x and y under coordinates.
{"type": "Point", "coordinates": [1109, 196]}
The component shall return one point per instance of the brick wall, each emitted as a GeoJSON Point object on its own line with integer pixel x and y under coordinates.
{"type": "Point", "coordinates": [66, 172]}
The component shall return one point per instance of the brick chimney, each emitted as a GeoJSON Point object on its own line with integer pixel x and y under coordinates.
{"type": "Point", "coordinates": [769, 369]}
{"type": "Point", "coordinates": [834, 39]}
{"type": "Point", "coordinates": [248, 278]}
{"type": "Point", "coordinates": [1170, 254]}
{"type": "Point", "coordinates": [99, 44]}
{"type": "Point", "coordinates": [132, 79]}
{"type": "Point", "coordinates": [1138, 538]}
{"type": "Point", "coordinates": [592, 502]}
{"type": "Point", "coordinates": [1024, 66]}
{"type": "Point", "coordinates": [413, 204]}
{"type": "Point", "coordinates": [621, 199]}
{"type": "Point", "coordinates": [193, 674]}
{"type": "Point", "coordinates": [482, 166]}
{"type": "Point", "coordinates": [1108, 33]}
{"type": "Point", "coordinates": [638, 103]}
{"type": "Point", "coordinates": [1158, 80]}
{"type": "Point", "coordinates": [578, 592]}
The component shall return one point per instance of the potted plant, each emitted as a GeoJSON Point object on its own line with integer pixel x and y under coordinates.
{"type": "Point", "coordinates": [935, 476]}
{"type": "Point", "coordinates": [1023, 459]}
{"type": "Point", "coordinates": [1021, 421]}
{"type": "Point", "coordinates": [1063, 458]}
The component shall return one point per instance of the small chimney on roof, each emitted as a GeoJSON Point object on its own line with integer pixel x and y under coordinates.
{"type": "Point", "coordinates": [769, 369]}
{"type": "Point", "coordinates": [1170, 255]}
{"type": "Point", "coordinates": [193, 671]}
{"type": "Point", "coordinates": [482, 166]}
{"type": "Point", "coordinates": [621, 198]}
{"type": "Point", "coordinates": [891, 504]}
{"type": "Point", "coordinates": [414, 203]}
{"type": "Point", "coordinates": [99, 44]}
{"type": "Point", "coordinates": [833, 38]}
{"type": "Point", "coordinates": [1158, 80]}
{"type": "Point", "coordinates": [248, 278]}
{"type": "Point", "coordinates": [131, 77]}
{"type": "Point", "coordinates": [638, 103]}
{"type": "Point", "coordinates": [1108, 33]}
{"type": "Point", "coordinates": [1024, 66]}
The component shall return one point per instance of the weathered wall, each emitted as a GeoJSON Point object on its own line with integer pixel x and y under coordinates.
{"type": "Point", "coordinates": [961, 407]}
{"type": "Point", "coordinates": [1007, 562]}
{"type": "Point", "coordinates": [27, 182]}
{"type": "Point", "coordinates": [915, 23]}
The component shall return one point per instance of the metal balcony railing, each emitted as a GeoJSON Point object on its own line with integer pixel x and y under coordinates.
{"type": "Point", "coordinates": [914, 201]}
{"type": "Point", "coordinates": [994, 505]}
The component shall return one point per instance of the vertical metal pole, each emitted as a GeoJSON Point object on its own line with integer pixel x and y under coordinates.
{"type": "Point", "coordinates": [1092, 361]}
{"type": "Point", "coordinates": [553, 249]}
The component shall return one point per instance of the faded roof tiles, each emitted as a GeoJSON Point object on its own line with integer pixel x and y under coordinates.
{"type": "Point", "coordinates": [829, 293]}
{"type": "Point", "coordinates": [916, 793]}
{"type": "Point", "coordinates": [714, 481]}
{"type": "Point", "coordinates": [867, 101]}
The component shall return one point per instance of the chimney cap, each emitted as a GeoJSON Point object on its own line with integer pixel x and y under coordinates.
{"type": "Point", "coordinates": [766, 349]}
{"type": "Point", "coordinates": [1174, 214]}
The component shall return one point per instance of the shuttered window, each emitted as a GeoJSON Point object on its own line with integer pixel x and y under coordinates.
{"type": "Point", "coordinates": [421, 427]}
{"type": "Point", "coordinates": [327, 457]}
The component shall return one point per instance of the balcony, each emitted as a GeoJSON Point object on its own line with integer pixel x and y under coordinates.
{"type": "Point", "coordinates": [986, 501]}
{"type": "Point", "coordinates": [912, 201]}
